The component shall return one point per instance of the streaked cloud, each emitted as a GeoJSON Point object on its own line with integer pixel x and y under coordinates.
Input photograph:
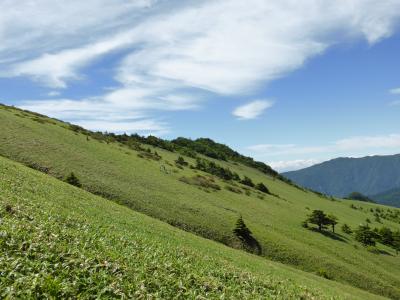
{"type": "Point", "coordinates": [164, 48]}
{"type": "Point", "coordinates": [339, 146]}
{"type": "Point", "coordinates": [252, 109]}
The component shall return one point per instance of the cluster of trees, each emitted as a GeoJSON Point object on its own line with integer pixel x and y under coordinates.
{"type": "Point", "coordinates": [388, 214]}
{"type": "Point", "coordinates": [215, 169]}
{"type": "Point", "coordinates": [184, 146]}
{"type": "Point", "coordinates": [369, 237]}
{"type": "Point", "coordinates": [322, 220]}
{"type": "Point", "coordinates": [226, 174]}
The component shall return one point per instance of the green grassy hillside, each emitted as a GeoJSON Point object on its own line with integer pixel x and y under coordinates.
{"type": "Point", "coordinates": [58, 241]}
{"type": "Point", "coordinates": [160, 189]}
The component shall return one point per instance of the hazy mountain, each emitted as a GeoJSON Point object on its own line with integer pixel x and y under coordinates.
{"type": "Point", "coordinates": [370, 175]}
{"type": "Point", "coordinates": [391, 197]}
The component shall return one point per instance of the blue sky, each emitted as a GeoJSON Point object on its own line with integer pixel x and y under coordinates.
{"type": "Point", "coordinates": [289, 83]}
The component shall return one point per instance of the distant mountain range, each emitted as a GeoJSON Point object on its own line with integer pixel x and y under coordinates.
{"type": "Point", "coordinates": [378, 177]}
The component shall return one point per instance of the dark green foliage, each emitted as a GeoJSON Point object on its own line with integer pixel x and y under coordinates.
{"type": "Point", "coordinates": [396, 241]}
{"type": "Point", "coordinates": [215, 150]}
{"type": "Point", "coordinates": [358, 196]}
{"type": "Point", "coordinates": [365, 235]}
{"type": "Point", "coordinates": [73, 180]}
{"type": "Point", "coordinates": [346, 229]}
{"type": "Point", "coordinates": [319, 218]}
{"type": "Point", "coordinates": [262, 188]}
{"type": "Point", "coordinates": [386, 236]}
{"type": "Point", "coordinates": [181, 161]}
{"type": "Point", "coordinates": [215, 169]}
{"type": "Point", "coordinates": [243, 233]}
{"type": "Point", "coordinates": [304, 224]}
{"type": "Point", "coordinates": [323, 273]}
{"type": "Point", "coordinates": [241, 230]}
{"type": "Point", "coordinates": [247, 181]}
{"type": "Point", "coordinates": [332, 220]}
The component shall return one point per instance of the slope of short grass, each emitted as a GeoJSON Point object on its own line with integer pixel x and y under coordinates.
{"type": "Point", "coordinates": [58, 241]}
{"type": "Point", "coordinates": [155, 188]}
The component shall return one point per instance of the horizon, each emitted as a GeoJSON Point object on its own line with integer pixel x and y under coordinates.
{"type": "Point", "coordinates": [319, 85]}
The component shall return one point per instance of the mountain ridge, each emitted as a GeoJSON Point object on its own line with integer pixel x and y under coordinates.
{"type": "Point", "coordinates": [339, 177]}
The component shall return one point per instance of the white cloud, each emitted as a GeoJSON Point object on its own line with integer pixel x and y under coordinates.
{"type": "Point", "coordinates": [339, 146]}
{"type": "Point", "coordinates": [53, 93]}
{"type": "Point", "coordinates": [227, 47]}
{"type": "Point", "coordinates": [395, 103]}
{"type": "Point", "coordinates": [395, 91]}
{"type": "Point", "coordinates": [299, 156]}
{"type": "Point", "coordinates": [252, 110]}
{"type": "Point", "coordinates": [292, 165]}
{"type": "Point", "coordinates": [368, 142]}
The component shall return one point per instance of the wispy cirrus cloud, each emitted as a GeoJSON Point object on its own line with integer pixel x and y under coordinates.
{"type": "Point", "coordinates": [173, 46]}
{"type": "Point", "coordinates": [252, 109]}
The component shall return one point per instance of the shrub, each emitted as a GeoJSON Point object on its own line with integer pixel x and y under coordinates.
{"type": "Point", "coordinates": [233, 189]}
{"type": "Point", "coordinates": [386, 236]}
{"type": "Point", "coordinates": [346, 229]}
{"type": "Point", "coordinates": [201, 181]}
{"type": "Point", "coordinates": [247, 181]}
{"type": "Point", "coordinates": [304, 224]}
{"type": "Point", "coordinates": [73, 180]}
{"type": "Point", "coordinates": [365, 235]}
{"type": "Point", "coordinates": [148, 155]}
{"type": "Point", "coordinates": [323, 273]}
{"type": "Point", "coordinates": [262, 188]}
{"type": "Point", "coordinates": [181, 161]}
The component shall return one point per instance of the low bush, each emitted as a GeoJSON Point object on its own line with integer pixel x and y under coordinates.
{"type": "Point", "coordinates": [201, 181]}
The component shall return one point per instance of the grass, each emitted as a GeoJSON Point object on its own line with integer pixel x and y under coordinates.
{"type": "Point", "coordinates": [58, 241]}
{"type": "Point", "coordinates": [154, 188]}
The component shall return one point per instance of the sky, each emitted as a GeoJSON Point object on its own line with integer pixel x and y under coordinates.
{"type": "Point", "coordinates": [290, 83]}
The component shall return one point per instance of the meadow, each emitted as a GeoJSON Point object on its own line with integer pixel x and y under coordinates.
{"type": "Point", "coordinates": [155, 188]}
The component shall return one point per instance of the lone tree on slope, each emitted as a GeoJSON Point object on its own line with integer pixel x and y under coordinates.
{"type": "Point", "coordinates": [241, 230]}
{"type": "Point", "coordinates": [73, 180]}
{"type": "Point", "coordinates": [319, 218]}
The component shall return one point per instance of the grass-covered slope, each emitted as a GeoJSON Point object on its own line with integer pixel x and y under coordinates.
{"type": "Point", "coordinates": [162, 190]}
{"type": "Point", "coordinates": [58, 241]}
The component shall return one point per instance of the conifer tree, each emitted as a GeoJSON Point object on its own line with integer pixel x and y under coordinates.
{"type": "Point", "coordinates": [73, 180]}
